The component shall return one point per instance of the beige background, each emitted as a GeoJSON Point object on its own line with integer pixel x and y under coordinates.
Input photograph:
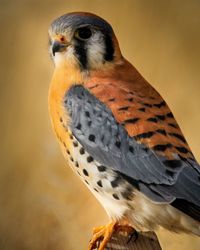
{"type": "Point", "coordinates": [42, 204]}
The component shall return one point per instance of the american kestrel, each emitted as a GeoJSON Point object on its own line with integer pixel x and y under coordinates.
{"type": "Point", "coordinates": [118, 134]}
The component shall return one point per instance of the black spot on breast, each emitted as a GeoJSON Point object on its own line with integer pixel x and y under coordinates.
{"type": "Point", "coordinates": [96, 190]}
{"type": "Point", "coordinates": [85, 172]}
{"type": "Point", "coordinates": [87, 182]}
{"type": "Point", "coordinates": [99, 183]}
{"type": "Point", "coordinates": [90, 159]}
{"type": "Point", "coordinates": [82, 151]}
{"type": "Point", "coordinates": [172, 163]}
{"type": "Point", "coordinates": [61, 120]}
{"type": "Point", "coordinates": [91, 138]}
{"type": "Point", "coordinates": [115, 196]}
{"type": "Point", "coordinates": [101, 168]}
{"type": "Point", "coordinates": [71, 137]}
{"type": "Point", "coordinates": [76, 164]}
{"type": "Point", "coordinates": [65, 127]}
{"type": "Point", "coordinates": [75, 143]}
{"type": "Point", "coordinates": [71, 159]}
{"type": "Point", "coordinates": [126, 195]}
{"type": "Point", "coordinates": [67, 151]}
{"type": "Point", "coordinates": [115, 183]}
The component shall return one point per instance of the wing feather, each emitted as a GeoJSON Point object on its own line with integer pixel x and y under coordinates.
{"type": "Point", "coordinates": [158, 177]}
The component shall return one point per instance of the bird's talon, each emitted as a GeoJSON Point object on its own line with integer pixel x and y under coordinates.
{"type": "Point", "coordinates": [97, 229]}
{"type": "Point", "coordinates": [101, 236]}
{"type": "Point", "coordinates": [133, 236]}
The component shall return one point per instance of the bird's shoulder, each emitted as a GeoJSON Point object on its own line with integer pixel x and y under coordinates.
{"type": "Point", "coordinates": [142, 111]}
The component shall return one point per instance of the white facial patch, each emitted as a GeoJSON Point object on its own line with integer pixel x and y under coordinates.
{"type": "Point", "coordinates": [96, 50]}
{"type": "Point", "coordinates": [65, 57]}
{"type": "Point", "coordinates": [58, 58]}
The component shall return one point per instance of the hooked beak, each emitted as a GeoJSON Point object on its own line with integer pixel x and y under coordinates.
{"type": "Point", "coordinates": [58, 46]}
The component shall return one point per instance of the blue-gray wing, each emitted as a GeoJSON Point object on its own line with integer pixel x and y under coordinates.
{"type": "Point", "coordinates": [160, 179]}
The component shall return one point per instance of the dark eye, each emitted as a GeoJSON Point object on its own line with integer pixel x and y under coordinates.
{"type": "Point", "coordinates": [83, 33]}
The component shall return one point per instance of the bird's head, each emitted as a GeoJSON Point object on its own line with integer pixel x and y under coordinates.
{"type": "Point", "coordinates": [84, 41]}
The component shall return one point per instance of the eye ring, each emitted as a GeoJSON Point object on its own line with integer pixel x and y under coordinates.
{"type": "Point", "coordinates": [83, 33]}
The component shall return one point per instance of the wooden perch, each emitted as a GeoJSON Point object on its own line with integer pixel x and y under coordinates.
{"type": "Point", "coordinates": [145, 241]}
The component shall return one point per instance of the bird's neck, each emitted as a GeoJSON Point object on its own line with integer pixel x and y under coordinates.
{"type": "Point", "coordinates": [64, 77]}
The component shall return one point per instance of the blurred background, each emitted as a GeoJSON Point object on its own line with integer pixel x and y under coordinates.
{"type": "Point", "coordinates": [43, 205]}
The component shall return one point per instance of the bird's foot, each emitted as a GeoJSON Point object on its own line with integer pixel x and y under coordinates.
{"type": "Point", "coordinates": [129, 231]}
{"type": "Point", "coordinates": [101, 236]}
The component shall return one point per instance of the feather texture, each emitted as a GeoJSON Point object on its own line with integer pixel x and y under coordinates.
{"type": "Point", "coordinates": [159, 178]}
